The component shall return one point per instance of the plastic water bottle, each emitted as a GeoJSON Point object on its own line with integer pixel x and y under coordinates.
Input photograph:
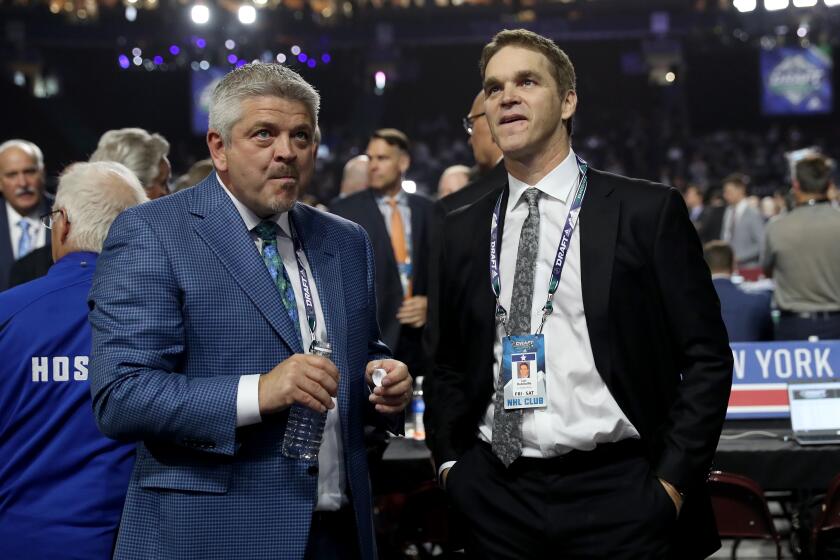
{"type": "Point", "coordinates": [418, 407]}
{"type": "Point", "coordinates": [305, 427]}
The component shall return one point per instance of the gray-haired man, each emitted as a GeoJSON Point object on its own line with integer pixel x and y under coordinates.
{"type": "Point", "coordinates": [204, 306]}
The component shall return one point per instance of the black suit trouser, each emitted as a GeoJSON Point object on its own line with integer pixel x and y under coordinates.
{"type": "Point", "coordinates": [605, 503]}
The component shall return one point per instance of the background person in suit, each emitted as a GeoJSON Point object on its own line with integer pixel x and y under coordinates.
{"type": "Point", "coordinates": [200, 326]}
{"type": "Point", "coordinates": [62, 482]}
{"type": "Point", "coordinates": [490, 171]}
{"type": "Point", "coordinates": [24, 201]}
{"type": "Point", "coordinates": [743, 226]}
{"type": "Point", "coordinates": [400, 227]}
{"type": "Point", "coordinates": [638, 363]}
{"type": "Point", "coordinates": [746, 315]}
{"type": "Point", "coordinates": [453, 179]}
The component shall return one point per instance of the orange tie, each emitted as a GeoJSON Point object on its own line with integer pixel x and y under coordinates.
{"type": "Point", "coordinates": [398, 240]}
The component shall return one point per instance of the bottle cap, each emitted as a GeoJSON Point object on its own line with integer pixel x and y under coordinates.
{"type": "Point", "coordinates": [377, 376]}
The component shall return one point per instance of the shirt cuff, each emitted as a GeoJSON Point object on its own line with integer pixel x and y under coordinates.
{"type": "Point", "coordinates": [443, 467]}
{"type": "Point", "coordinates": [248, 401]}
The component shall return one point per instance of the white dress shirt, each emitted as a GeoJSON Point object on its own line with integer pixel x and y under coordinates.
{"type": "Point", "coordinates": [581, 412]}
{"type": "Point", "coordinates": [739, 210]}
{"type": "Point", "coordinates": [331, 486]}
{"type": "Point", "coordinates": [37, 231]}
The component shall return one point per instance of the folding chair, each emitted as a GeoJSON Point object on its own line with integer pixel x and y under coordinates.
{"type": "Point", "coordinates": [827, 524]}
{"type": "Point", "coordinates": [741, 510]}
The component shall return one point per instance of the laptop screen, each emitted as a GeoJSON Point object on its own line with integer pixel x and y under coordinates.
{"type": "Point", "coordinates": [814, 406]}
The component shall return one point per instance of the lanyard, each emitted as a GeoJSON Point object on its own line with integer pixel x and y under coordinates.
{"type": "Point", "coordinates": [559, 260]}
{"type": "Point", "coordinates": [308, 304]}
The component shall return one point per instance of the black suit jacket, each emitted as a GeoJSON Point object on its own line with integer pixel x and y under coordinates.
{"type": "Point", "coordinates": [7, 255]}
{"type": "Point", "coordinates": [654, 324]}
{"type": "Point", "coordinates": [361, 208]}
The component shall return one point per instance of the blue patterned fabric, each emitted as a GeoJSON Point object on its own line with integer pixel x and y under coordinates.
{"type": "Point", "coordinates": [182, 306]}
{"type": "Point", "coordinates": [267, 232]}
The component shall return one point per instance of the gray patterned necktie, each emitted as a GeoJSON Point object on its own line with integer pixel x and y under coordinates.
{"type": "Point", "coordinates": [507, 424]}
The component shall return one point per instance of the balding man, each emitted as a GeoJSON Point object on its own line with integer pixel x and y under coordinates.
{"type": "Point", "coordinates": [62, 482]}
{"type": "Point", "coordinates": [453, 179]}
{"type": "Point", "coordinates": [488, 161]}
{"type": "Point", "coordinates": [355, 176]}
{"type": "Point", "coordinates": [22, 182]}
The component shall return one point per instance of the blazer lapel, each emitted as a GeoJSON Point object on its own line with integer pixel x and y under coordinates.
{"type": "Point", "coordinates": [598, 235]}
{"type": "Point", "coordinates": [221, 227]}
{"type": "Point", "coordinates": [483, 262]}
{"type": "Point", "coordinates": [417, 233]}
{"type": "Point", "coordinates": [7, 255]}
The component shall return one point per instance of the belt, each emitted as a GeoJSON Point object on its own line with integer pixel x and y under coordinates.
{"type": "Point", "coordinates": [577, 461]}
{"type": "Point", "coordinates": [809, 314]}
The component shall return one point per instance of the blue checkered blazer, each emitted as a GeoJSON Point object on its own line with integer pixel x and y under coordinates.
{"type": "Point", "coordinates": [181, 306]}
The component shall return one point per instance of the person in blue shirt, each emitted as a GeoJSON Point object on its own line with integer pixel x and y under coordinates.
{"type": "Point", "coordinates": [62, 483]}
{"type": "Point", "coordinates": [746, 315]}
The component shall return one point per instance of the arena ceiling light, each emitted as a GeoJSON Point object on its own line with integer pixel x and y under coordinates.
{"type": "Point", "coordinates": [247, 14]}
{"type": "Point", "coordinates": [200, 14]}
{"type": "Point", "coordinates": [804, 3]}
{"type": "Point", "coordinates": [832, 3]}
{"type": "Point", "coordinates": [775, 5]}
{"type": "Point", "coordinates": [744, 5]}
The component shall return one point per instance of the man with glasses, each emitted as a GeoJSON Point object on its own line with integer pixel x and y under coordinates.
{"type": "Point", "coordinates": [491, 174]}
{"type": "Point", "coordinates": [63, 483]}
{"type": "Point", "coordinates": [22, 182]}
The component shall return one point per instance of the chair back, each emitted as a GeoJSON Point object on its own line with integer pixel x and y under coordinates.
{"type": "Point", "coordinates": [827, 524]}
{"type": "Point", "coordinates": [740, 507]}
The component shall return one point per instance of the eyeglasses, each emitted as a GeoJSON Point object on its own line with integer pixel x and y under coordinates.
{"type": "Point", "coordinates": [49, 221]}
{"type": "Point", "coordinates": [468, 122]}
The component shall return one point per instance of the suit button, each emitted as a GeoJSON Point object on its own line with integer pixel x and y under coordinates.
{"type": "Point", "coordinates": [312, 470]}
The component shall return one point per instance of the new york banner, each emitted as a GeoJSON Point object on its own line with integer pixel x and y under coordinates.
{"type": "Point", "coordinates": [763, 371]}
{"type": "Point", "coordinates": [796, 81]}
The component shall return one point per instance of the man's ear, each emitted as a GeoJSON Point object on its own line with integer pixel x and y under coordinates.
{"type": "Point", "coordinates": [65, 231]}
{"type": "Point", "coordinates": [569, 104]}
{"type": "Point", "coordinates": [216, 145]}
{"type": "Point", "coordinates": [405, 162]}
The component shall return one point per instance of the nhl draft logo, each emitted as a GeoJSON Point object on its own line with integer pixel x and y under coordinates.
{"type": "Point", "coordinates": [796, 79]}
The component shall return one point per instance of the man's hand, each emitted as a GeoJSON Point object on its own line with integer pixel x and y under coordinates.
{"type": "Point", "coordinates": [304, 379]}
{"type": "Point", "coordinates": [395, 392]}
{"type": "Point", "coordinates": [673, 494]}
{"type": "Point", "coordinates": [413, 311]}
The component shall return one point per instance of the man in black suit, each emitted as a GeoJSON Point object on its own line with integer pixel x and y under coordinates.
{"type": "Point", "coordinates": [637, 368]}
{"type": "Point", "coordinates": [399, 225]}
{"type": "Point", "coordinates": [24, 201]}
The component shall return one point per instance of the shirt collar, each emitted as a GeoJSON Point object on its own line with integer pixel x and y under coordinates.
{"type": "Point", "coordinates": [400, 196]}
{"type": "Point", "coordinates": [250, 218]}
{"type": "Point", "coordinates": [14, 217]}
{"type": "Point", "coordinates": [557, 184]}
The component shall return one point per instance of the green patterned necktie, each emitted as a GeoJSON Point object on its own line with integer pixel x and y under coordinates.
{"type": "Point", "coordinates": [267, 231]}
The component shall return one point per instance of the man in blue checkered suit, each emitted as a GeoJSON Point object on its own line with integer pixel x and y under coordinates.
{"type": "Point", "coordinates": [202, 307]}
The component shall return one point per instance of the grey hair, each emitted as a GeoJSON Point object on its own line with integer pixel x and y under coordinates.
{"type": "Point", "coordinates": [28, 148]}
{"type": "Point", "coordinates": [258, 80]}
{"type": "Point", "coordinates": [93, 195]}
{"type": "Point", "coordinates": [135, 148]}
